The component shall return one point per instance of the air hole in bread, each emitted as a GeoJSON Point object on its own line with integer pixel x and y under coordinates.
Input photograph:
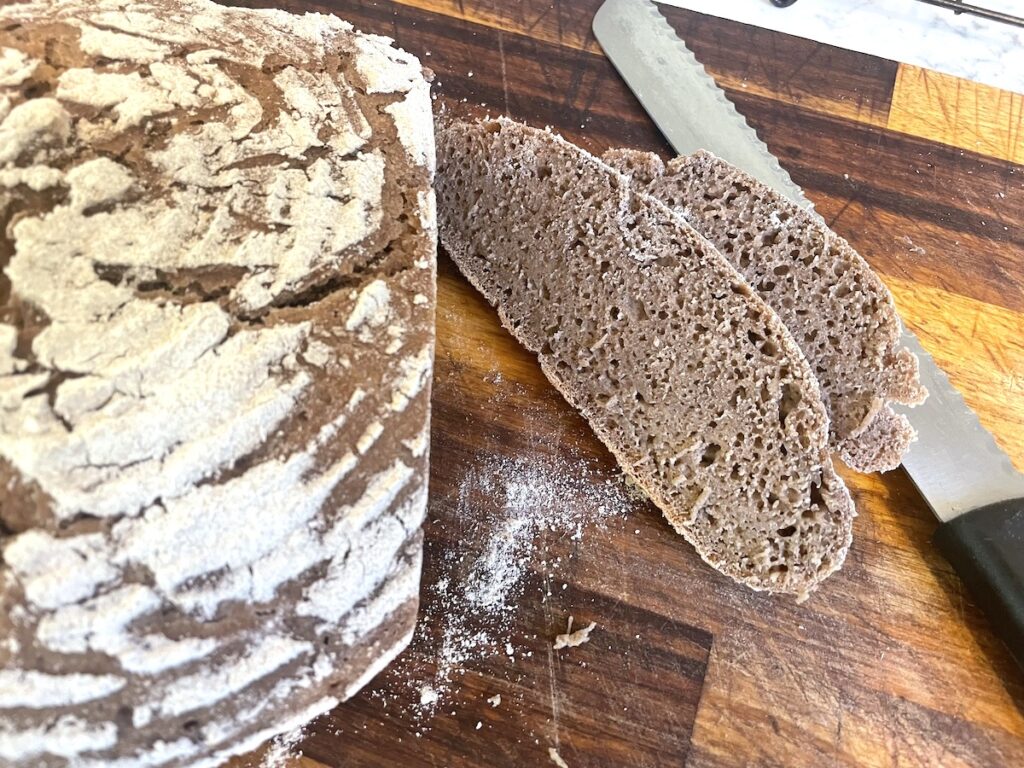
{"type": "Point", "coordinates": [710, 455]}
{"type": "Point", "coordinates": [817, 499]}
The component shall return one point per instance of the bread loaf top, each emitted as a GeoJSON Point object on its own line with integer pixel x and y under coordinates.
{"type": "Point", "coordinates": [216, 301]}
{"type": "Point", "coordinates": [170, 172]}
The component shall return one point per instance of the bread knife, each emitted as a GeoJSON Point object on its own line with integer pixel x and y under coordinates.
{"type": "Point", "coordinates": [969, 483]}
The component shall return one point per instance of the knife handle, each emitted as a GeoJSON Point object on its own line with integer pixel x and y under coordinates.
{"type": "Point", "coordinates": [986, 547]}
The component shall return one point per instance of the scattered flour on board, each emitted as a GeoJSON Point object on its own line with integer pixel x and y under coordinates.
{"type": "Point", "coordinates": [474, 602]}
{"type": "Point", "coordinates": [428, 696]}
{"type": "Point", "coordinates": [532, 495]}
{"type": "Point", "coordinates": [283, 748]}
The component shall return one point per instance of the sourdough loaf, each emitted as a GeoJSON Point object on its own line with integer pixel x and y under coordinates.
{"type": "Point", "coordinates": [838, 310]}
{"type": "Point", "coordinates": [688, 377]}
{"type": "Point", "coordinates": [216, 340]}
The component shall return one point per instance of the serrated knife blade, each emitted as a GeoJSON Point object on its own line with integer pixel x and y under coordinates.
{"type": "Point", "coordinates": [966, 479]}
{"type": "Point", "coordinates": [643, 47]}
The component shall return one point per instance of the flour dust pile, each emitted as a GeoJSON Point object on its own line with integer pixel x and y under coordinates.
{"type": "Point", "coordinates": [503, 509]}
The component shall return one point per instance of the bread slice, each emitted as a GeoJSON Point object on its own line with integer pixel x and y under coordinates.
{"type": "Point", "coordinates": [687, 376]}
{"type": "Point", "coordinates": [838, 310]}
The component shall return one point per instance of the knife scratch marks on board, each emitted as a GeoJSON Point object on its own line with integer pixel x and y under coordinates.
{"type": "Point", "coordinates": [788, 78]}
{"type": "Point", "coordinates": [504, 77]}
{"type": "Point", "coordinates": [537, 21]}
{"type": "Point", "coordinates": [838, 214]}
{"type": "Point", "coordinates": [553, 684]}
{"type": "Point", "coordinates": [961, 610]}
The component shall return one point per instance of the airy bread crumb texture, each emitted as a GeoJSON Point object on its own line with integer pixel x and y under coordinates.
{"type": "Point", "coordinates": [689, 378]}
{"type": "Point", "coordinates": [837, 309]}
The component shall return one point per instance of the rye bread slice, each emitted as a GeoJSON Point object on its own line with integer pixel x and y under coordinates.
{"type": "Point", "coordinates": [687, 376]}
{"type": "Point", "coordinates": [838, 310]}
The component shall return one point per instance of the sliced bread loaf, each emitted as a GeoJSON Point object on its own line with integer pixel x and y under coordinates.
{"type": "Point", "coordinates": [686, 375]}
{"type": "Point", "coordinates": [836, 307]}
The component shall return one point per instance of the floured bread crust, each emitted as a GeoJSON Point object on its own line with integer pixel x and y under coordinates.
{"type": "Point", "coordinates": [216, 340]}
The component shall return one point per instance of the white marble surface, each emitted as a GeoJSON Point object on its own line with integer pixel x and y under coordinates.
{"type": "Point", "coordinates": [903, 30]}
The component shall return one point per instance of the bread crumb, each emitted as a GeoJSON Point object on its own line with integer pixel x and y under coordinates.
{"type": "Point", "coordinates": [912, 246]}
{"type": "Point", "coordinates": [428, 696]}
{"type": "Point", "coordinates": [495, 700]}
{"type": "Point", "coordinates": [570, 639]}
{"type": "Point", "coordinates": [557, 758]}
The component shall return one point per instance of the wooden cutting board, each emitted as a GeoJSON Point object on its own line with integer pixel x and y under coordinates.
{"type": "Point", "coordinates": [889, 663]}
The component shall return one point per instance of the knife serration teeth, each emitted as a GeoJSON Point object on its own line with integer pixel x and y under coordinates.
{"type": "Point", "coordinates": [665, 28]}
{"type": "Point", "coordinates": [619, 25]}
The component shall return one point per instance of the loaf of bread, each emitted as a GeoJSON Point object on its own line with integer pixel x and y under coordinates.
{"type": "Point", "coordinates": [688, 377]}
{"type": "Point", "coordinates": [838, 310]}
{"type": "Point", "coordinates": [216, 341]}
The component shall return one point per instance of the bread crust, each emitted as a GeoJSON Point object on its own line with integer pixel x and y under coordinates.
{"type": "Point", "coordinates": [216, 344]}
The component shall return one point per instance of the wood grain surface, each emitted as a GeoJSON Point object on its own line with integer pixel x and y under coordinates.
{"type": "Point", "coordinates": [945, 108]}
{"type": "Point", "coordinates": [889, 663]}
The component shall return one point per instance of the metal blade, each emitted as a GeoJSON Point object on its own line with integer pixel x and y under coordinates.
{"type": "Point", "coordinates": [679, 95]}
{"type": "Point", "coordinates": [955, 463]}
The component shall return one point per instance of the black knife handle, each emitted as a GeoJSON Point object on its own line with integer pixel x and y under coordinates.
{"type": "Point", "coordinates": [986, 547]}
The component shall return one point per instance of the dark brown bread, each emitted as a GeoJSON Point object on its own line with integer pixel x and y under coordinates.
{"type": "Point", "coordinates": [217, 269]}
{"type": "Point", "coordinates": [838, 310]}
{"type": "Point", "coordinates": [687, 376]}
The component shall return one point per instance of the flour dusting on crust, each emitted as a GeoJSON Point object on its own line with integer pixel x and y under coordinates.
{"type": "Point", "coordinates": [211, 487]}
